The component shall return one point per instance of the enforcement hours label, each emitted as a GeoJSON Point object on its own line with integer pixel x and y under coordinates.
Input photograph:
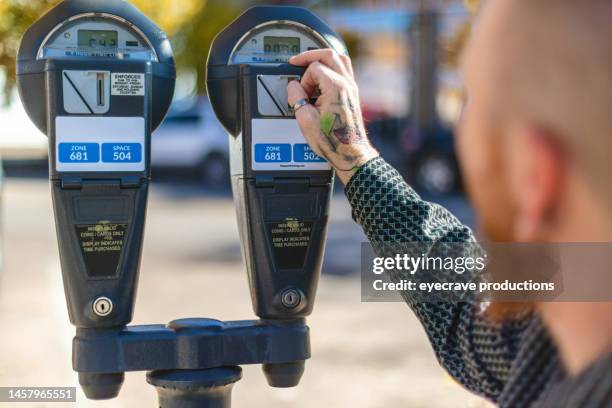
{"type": "Point", "coordinates": [127, 84]}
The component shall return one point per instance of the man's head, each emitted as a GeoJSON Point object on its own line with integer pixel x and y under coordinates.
{"type": "Point", "coordinates": [536, 137]}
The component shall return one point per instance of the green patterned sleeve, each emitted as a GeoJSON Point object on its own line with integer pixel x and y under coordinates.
{"type": "Point", "coordinates": [477, 352]}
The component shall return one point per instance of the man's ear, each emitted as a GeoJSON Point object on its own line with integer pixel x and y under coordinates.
{"type": "Point", "coordinates": [536, 175]}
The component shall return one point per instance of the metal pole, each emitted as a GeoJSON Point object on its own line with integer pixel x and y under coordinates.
{"type": "Point", "coordinates": [424, 62]}
{"type": "Point", "coordinates": [211, 388]}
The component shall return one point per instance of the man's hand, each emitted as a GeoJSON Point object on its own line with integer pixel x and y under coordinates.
{"type": "Point", "coordinates": [333, 127]}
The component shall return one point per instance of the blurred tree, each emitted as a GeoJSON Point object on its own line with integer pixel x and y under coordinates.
{"type": "Point", "coordinates": [170, 15]}
{"type": "Point", "coordinates": [472, 5]}
{"type": "Point", "coordinates": [191, 24]}
{"type": "Point", "coordinates": [192, 41]}
{"type": "Point", "coordinates": [352, 41]}
{"type": "Point", "coordinates": [15, 17]}
{"type": "Point", "coordinates": [452, 48]}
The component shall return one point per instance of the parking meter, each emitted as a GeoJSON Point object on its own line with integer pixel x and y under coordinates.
{"type": "Point", "coordinates": [282, 189]}
{"type": "Point", "coordinates": [97, 77]}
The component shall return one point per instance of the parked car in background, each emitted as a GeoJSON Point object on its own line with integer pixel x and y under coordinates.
{"type": "Point", "coordinates": [431, 159]}
{"type": "Point", "coordinates": [20, 140]}
{"type": "Point", "coordinates": [425, 158]}
{"type": "Point", "coordinates": [191, 139]}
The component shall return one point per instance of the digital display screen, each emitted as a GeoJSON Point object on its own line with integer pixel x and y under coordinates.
{"type": "Point", "coordinates": [282, 45]}
{"type": "Point", "coordinates": [97, 38]}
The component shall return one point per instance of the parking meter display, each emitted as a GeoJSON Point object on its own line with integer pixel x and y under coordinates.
{"type": "Point", "coordinates": [97, 37]}
{"type": "Point", "coordinates": [275, 42]}
{"type": "Point", "coordinates": [93, 38]}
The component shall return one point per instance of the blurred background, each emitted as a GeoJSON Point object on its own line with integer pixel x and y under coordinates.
{"type": "Point", "coordinates": [405, 55]}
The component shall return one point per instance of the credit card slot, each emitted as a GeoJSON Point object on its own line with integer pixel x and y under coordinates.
{"type": "Point", "coordinates": [100, 89]}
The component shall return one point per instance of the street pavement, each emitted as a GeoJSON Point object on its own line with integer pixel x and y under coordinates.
{"type": "Point", "coordinates": [369, 355]}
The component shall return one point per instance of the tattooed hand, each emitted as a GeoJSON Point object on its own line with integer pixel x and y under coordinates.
{"type": "Point", "coordinates": [333, 126]}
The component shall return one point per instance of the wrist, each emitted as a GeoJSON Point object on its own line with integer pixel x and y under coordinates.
{"type": "Point", "coordinates": [345, 174]}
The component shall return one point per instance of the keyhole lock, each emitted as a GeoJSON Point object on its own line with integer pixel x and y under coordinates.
{"type": "Point", "coordinates": [102, 306]}
{"type": "Point", "coordinates": [291, 298]}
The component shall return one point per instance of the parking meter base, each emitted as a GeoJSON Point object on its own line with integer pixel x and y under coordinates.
{"type": "Point", "coordinates": [210, 388]}
{"type": "Point", "coordinates": [191, 361]}
{"type": "Point", "coordinates": [101, 386]}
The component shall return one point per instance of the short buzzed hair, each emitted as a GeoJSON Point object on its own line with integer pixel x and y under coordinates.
{"type": "Point", "coordinates": [551, 64]}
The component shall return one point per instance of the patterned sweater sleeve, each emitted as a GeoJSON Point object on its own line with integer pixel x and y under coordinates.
{"type": "Point", "coordinates": [475, 351]}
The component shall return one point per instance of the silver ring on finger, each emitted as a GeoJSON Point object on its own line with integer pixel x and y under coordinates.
{"type": "Point", "coordinates": [300, 104]}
